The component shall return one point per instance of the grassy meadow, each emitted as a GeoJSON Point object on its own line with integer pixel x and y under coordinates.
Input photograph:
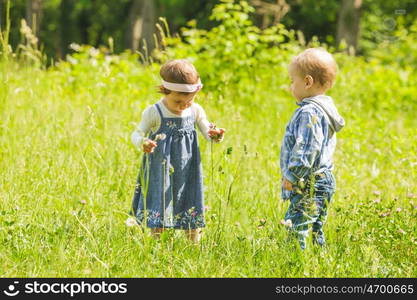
{"type": "Point", "coordinates": [68, 168]}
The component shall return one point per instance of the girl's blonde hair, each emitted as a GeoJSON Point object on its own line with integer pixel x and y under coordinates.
{"type": "Point", "coordinates": [318, 63]}
{"type": "Point", "coordinates": [178, 71]}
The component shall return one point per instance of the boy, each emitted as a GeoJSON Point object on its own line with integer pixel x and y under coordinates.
{"type": "Point", "coordinates": [309, 143]}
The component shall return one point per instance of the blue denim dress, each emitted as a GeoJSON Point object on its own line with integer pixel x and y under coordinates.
{"type": "Point", "coordinates": [174, 191]}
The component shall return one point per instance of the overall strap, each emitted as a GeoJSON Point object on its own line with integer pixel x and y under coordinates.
{"type": "Point", "coordinates": [194, 113]}
{"type": "Point", "coordinates": [159, 111]}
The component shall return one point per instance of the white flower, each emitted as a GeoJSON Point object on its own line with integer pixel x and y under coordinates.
{"type": "Point", "coordinates": [93, 52]}
{"type": "Point", "coordinates": [130, 222]}
{"type": "Point", "coordinates": [75, 47]}
{"type": "Point", "coordinates": [286, 223]}
{"type": "Point", "coordinates": [72, 60]}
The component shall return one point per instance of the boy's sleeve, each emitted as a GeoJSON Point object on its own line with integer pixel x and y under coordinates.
{"type": "Point", "coordinates": [309, 139]}
{"type": "Point", "coordinates": [147, 122]}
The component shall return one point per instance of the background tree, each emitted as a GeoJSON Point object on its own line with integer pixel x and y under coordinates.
{"type": "Point", "coordinates": [34, 14]}
{"type": "Point", "coordinates": [270, 13]}
{"type": "Point", "coordinates": [66, 24]}
{"type": "Point", "coordinates": [348, 23]}
{"type": "Point", "coordinates": [141, 24]}
{"type": "Point", "coordinates": [362, 23]}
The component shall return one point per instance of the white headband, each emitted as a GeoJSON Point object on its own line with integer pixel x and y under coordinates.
{"type": "Point", "coordinates": [182, 87]}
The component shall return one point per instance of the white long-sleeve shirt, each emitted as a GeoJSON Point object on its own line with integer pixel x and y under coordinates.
{"type": "Point", "coordinates": [151, 121]}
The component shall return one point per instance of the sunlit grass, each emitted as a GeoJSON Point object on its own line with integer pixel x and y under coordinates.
{"type": "Point", "coordinates": [68, 172]}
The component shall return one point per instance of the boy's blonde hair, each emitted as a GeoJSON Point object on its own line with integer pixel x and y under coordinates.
{"type": "Point", "coordinates": [318, 63]}
{"type": "Point", "coordinates": [178, 71]}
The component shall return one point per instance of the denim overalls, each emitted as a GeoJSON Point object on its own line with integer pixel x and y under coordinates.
{"type": "Point", "coordinates": [174, 193]}
{"type": "Point", "coordinates": [307, 161]}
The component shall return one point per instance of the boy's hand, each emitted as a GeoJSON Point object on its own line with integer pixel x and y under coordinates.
{"type": "Point", "coordinates": [287, 185]}
{"type": "Point", "coordinates": [216, 134]}
{"type": "Point", "coordinates": [149, 145]}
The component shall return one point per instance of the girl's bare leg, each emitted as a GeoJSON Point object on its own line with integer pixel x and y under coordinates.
{"type": "Point", "coordinates": [193, 235]}
{"type": "Point", "coordinates": [156, 232]}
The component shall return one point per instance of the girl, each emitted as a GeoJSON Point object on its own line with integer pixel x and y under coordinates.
{"type": "Point", "coordinates": [171, 175]}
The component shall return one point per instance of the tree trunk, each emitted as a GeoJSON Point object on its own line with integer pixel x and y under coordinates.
{"type": "Point", "coordinates": [65, 27]}
{"type": "Point", "coordinates": [141, 25]}
{"type": "Point", "coordinates": [34, 14]}
{"type": "Point", "coordinates": [84, 23]}
{"type": "Point", "coordinates": [348, 22]}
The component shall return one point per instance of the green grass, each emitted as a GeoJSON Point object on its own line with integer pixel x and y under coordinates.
{"type": "Point", "coordinates": [68, 172]}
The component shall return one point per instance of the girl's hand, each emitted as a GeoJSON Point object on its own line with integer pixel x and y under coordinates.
{"type": "Point", "coordinates": [149, 146]}
{"type": "Point", "coordinates": [216, 134]}
{"type": "Point", "coordinates": [287, 185]}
